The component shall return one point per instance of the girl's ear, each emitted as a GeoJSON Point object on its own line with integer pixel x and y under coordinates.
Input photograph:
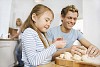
{"type": "Point", "coordinates": [34, 17]}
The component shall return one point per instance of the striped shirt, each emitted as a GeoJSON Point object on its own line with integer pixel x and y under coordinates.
{"type": "Point", "coordinates": [33, 51]}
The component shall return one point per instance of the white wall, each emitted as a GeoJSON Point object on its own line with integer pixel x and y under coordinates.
{"type": "Point", "coordinates": [12, 9]}
{"type": "Point", "coordinates": [91, 23]}
{"type": "Point", "coordinates": [22, 8]}
{"type": "Point", "coordinates": [57, 6]}
{"type": "Point", "coordinates": [5, 9]}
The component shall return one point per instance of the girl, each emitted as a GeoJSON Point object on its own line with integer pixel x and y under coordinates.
{"type": "Point", "coordinates": [18, 49]}
{"type": "Point", "coordinates": [19, 25]}
{"type": "Point", "coordinates": [35, 48]}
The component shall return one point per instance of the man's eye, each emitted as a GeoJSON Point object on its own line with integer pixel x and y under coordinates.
{"type": "Point", "coordinates": [69, 17]}
{"type": "Point", "coordinates": [75, 18]}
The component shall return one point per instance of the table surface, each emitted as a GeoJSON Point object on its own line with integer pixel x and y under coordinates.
{"type": "Point", "coordinates": [51, 64]}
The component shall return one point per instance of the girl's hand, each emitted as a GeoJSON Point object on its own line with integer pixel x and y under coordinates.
{"type": "Point", "coordinates": [58, 39]}
{"type": "Point", "coordinates": [60, 43]}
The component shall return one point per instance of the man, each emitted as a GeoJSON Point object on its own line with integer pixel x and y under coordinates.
{"type": "Point", "coordinates": [69, 16]}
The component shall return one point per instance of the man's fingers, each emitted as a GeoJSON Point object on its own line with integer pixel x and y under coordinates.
{"type": "Point", "coordinates": [92, 51]}
{"type": "Point", "coordinates": [96, 52]}
{"type": "Point", "coordinates": [75, 52]}
{"type": "Point", "coordinates": [89, 49]}
{"type": "Point", "coordinates": [83, 48]}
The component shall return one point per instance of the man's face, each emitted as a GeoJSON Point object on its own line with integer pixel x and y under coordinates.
{"type": "Point", "coordinates": [69, 20]}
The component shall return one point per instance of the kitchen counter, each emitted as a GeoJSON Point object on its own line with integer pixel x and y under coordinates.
{"type": "Point", "coordinates": [7, 54]}
{"type": "Point", "coordinates": [8, 39]}
{"type": "Point", "coordinates": [6, 42]}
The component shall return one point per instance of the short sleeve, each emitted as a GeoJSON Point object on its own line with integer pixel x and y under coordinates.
{"type": "Point", "coordinates": [80, 35]}
{"type": "Point", "coordinates": [49, 35]}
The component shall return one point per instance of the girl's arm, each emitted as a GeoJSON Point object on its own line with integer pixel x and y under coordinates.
{"type": "Point", "coordinates": [30, 42]}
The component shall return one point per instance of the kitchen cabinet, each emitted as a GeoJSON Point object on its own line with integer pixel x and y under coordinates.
{"type": "Point", "coordinates": [7, 56]}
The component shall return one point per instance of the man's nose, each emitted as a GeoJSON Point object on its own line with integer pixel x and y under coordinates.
{"type": "Point", "coordinates": [72, 20]}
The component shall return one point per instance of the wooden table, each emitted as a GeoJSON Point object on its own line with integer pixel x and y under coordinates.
{"type": "Point", "coordinates": [51, 64]}
{"type": "Point", "coordinates": [74, 63]}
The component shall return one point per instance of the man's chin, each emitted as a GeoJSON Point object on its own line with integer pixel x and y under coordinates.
{"type": "Point", "coordinates": [70, 28]}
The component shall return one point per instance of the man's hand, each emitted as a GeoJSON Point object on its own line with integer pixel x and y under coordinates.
{"type": "Point", "coordinates": [78, 49]}
{"type": "Point", "coordinates": [93, 51]}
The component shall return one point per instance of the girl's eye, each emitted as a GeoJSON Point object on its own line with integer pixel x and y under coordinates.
{"type": "Point", "coordinates": [46, 20]}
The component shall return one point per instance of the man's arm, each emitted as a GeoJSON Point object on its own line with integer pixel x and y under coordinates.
{"type": "Point", "coordinates": [85, 42]}
{"type": "Point", "coordinates": [92, 50]}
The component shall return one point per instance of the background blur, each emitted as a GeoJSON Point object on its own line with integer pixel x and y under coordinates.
{"type": "Point", "coordinates": [88, 20]}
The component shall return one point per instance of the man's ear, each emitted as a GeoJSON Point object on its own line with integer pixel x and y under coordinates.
{"type": "Point", "coordinates": [34, 17]}
{"type": "Point", "coordinates": [61, 17]}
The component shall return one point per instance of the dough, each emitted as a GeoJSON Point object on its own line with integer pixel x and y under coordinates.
{"type": "Point", "coordinates": [61, 56]}
{"type": "Point", "coordinates": [77, 57]}
{"type": "Point", "coordinates": [88, 59]}
{"type": "Point", "coordinates": [68, 56]}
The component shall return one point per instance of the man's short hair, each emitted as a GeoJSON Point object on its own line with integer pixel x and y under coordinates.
{"type": "Point", "coordinates": [71, 8]}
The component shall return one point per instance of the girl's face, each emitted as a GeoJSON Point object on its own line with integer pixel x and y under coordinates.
{"type": "Point", "coordinates": [43, 22]}
{"type": "Point", "coordinates": [18, 23]}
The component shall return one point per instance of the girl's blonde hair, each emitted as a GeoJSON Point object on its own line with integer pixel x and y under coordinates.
{"type": "Point", "coordinates": [18, 19]}
{"type": "Point", "coordinates": [38, 10]}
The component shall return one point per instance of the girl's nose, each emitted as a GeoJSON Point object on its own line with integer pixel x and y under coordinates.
{"type": "Point", "coordinates": [49, 23]}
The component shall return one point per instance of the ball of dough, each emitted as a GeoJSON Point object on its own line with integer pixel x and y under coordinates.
{"type": "Point", "coordinates": [77, 57]}
{"type": "Point", "coordinates": [96, 60]}
{"type": "Point", "coordinates": [84, 58]}
{"type": "Point", "coordinates": [61, 56]}
{"type": "Point", "coordinates": [88, 59]}
{"type": "Point", "coordinates": [68, 55]}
